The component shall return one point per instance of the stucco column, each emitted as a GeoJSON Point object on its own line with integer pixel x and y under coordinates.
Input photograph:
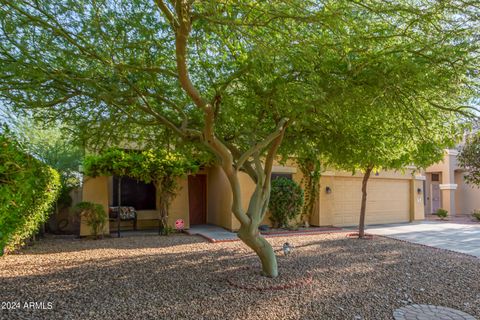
{"type": "Point", "coordinates": [417, 206]}
{"type": "Point", "coordinates": [448, 197]}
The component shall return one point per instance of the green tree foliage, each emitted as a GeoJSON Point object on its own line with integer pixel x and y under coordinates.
{"type": "Point", "coordinates": [159, 166]}
{"type": "Point", "coordinates": [52, 143]}
{"type": "Point", "coordinates": [28, 189]}
{"type": "Point", "coordinates": [372, 138]}
{"type": "Point", "coordinates": [286, 201]}
{"type": "Point", "coordinates": [469, 158]}
{"type": "Point", "coordinates": [233, 75]}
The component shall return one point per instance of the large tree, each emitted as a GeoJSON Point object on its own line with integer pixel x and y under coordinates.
{"type": "Point", "coordinates": [231, 75]}
{"type": "Point", "coordinates": [370, 139]}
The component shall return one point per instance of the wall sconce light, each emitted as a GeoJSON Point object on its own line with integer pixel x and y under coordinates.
{"type": "Point", "coordinates": [328, 190]}
{"type": "Point", "coordinates": [419, 190]}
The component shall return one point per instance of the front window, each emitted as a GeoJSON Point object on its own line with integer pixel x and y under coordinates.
{"type": "Point", "coordinates": [135, 194]}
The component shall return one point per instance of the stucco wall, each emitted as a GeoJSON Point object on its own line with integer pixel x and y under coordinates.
{"type": "Point", "coordinates": [467, 196]}
{"type": "Point", "coordinates": [456, 196]}
{"type": "Point", "coordinates": [219, 198]}
{"type": "Point", "coordinates": [179, 208]}
{"type": "Point", "coordinates": [94, 190]}
{"type": "Point", "coordinates": [417, 204]}
{"type": "Point", "coordinates": [392, 197]}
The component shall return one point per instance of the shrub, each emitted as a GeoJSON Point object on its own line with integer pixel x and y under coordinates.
{"type": "Point", "coordinates": [94, 215]}
{"type": "Point", "coordinates": [286, 201]}
{"type": "Point", "coordinates": [28, 189]}
{"type": "Point", "coordinates": [476, 214]}
{"type": "Point", "coordinates": [442, 213]}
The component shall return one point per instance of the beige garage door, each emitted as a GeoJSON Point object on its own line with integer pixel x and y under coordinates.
{"type": "Point", "coordinates": [387, 201]}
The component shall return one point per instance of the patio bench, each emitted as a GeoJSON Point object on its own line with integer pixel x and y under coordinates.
{"type": "Point", "coordinates": [126, 214]}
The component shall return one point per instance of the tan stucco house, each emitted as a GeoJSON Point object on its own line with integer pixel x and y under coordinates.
{"type": "Point", "coordinates": [206, 198]}
{"type": "Point", "coordinates": [446, 188]}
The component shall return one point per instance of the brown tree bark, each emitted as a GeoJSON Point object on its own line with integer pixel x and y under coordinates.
{"type": "Point", "coordinates": [361, 225]}
{"type": "Point", "coordinates": [164, 198]}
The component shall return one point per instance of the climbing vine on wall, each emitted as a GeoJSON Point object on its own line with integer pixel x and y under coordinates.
{"type": "Point", "coordinates": [311, 170]}
{"type": "Point", "coordinates": [160, 167]}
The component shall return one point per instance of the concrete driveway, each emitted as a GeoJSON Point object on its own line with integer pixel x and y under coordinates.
{"type": "Point", "coordinates": [464, 238]}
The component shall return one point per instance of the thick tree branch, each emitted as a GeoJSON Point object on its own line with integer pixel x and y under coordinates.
{"type": "Point", "coordinates": [247, 166]}
{"type": "Point", "coordinates": [168, 13]}
{"type": "Point", "coordinates": [262, 144]}
{"type": "Point", "coordinates": [272, 153]}
{"type": "Point", "coordinates": [182, 33]}
{"type": "Point", "coordinates": [227, 164]}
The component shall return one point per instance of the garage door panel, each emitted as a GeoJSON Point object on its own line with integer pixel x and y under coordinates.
{"type": "Point", "coordinates": [387, 201]}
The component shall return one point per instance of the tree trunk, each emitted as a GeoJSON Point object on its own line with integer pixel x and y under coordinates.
{"type": "Point", "coordinates": [257, 207]}
{"type": "Point", "coordinates": [164, 197]}
{"type": "Point", "coordinates": [361, 225]}
{"type": "Point", "coordinates": [252, 238]}
{"type": "Point", "coordinates": [119, 204]}
{"type": "Point", "coordinates": [163, 215]}
{"type": "Point", "coordinates": [180, 20]}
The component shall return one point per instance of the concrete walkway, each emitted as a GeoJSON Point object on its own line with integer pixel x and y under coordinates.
{"type": "Point", "coordinates": [212, 233]}
{"type": "Point", "coordinates": [464, 238]}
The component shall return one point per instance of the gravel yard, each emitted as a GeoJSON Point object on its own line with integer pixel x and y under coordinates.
{"type": "Point", "coordinates": [183, 277]}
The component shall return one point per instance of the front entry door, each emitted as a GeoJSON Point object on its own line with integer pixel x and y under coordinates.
{"type": "Point", "coordinates": [435, 197]}
{"type": "Point", "coordinates": [197, 199]}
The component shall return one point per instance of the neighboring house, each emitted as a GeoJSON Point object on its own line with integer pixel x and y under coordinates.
{"type": "Point", "coordinates": [446, 187]}
{"type": "Point", "coordinates": [206, 198]}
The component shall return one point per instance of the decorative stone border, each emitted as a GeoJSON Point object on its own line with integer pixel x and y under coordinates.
{"type": "Point", "coordinates": [354, 235]}
{"type": "Point", "coordinates": [307, 280]}
{"type": "Point", "coordinates": [429, 312]}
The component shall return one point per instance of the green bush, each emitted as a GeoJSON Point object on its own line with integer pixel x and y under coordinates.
{"type": "Point", "coordinates": [94, 215]}
{"type": "Point", "coordinates": [28, 189]}
{"type": "Point", "coordinates": [442, 213]}
{"type": "Point", "coordinates": [286, 201]}
{"type": "Point", "coordinates": [476, 214]}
